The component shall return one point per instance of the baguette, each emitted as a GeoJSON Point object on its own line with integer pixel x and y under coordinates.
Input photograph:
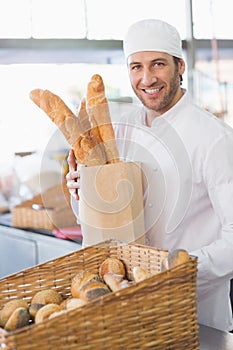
{"type": "Point", "coordinates": [85, 146]}
{"type": "Point", "coordinates": [98, 110]}
{"type": "Point", "coordinates": [88, 145]}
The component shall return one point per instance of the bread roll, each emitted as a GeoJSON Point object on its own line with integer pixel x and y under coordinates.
{"type": "Point", "coordinates": [177, 257]}
{"type": "Point", "coordinates": [98, 110]}
{"type": "Point", "coordinates": [174, 258]}
{"type": "Point", "coordinates": [164, 265]}
{"type": "Point", "coordinates": [112, 265]}
{"type": "Point", "coordinates": [44, 313]}
{"type": "Point", "coordinates": [140, 274]}
{"type": "Point", "coordinates": [33, 309]}
{"type": "Point", "coordinates": [46, 296]}
{"type": "Point", "coordinates": [74, 303]}
{"type": "Point", "coordinates": [57, 313]}
{"type": "Point", "coordinates": [19, 318]}
{"type": "Point", "coordinates": [115, 282]}
{"type": "Point", "coordinates": [81, 279]}
{"type": "Point", "coordinates": [93, 290]}
{"type": "Point", "coordinates": [9, 307]}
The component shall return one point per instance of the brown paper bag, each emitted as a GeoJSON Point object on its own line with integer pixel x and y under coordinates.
{"type": "Point", "coordinates": [111, 203]}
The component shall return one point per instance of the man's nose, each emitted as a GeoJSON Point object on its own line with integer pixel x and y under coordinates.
{"type": "Point", "coordinates": [148, 78]}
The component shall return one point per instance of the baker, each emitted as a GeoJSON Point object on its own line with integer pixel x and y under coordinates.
{"type": "Point", "coordinates": [187, 161]}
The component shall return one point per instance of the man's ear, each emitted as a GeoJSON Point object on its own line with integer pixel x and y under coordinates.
{"type": "Point", "coordinates": [181, 66]}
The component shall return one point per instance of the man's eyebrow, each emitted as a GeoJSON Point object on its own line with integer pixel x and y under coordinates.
{"type": "Point", "coordinates": [134, 62]}
{"type": "Point", "coordinates": [152, 61]}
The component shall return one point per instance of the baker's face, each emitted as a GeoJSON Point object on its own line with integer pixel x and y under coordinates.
{"type": "Point", "coordinates": [155, 79]}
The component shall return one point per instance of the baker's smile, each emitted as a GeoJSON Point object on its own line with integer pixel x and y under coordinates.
{"type": "Point", "coordinates": [152, 91]}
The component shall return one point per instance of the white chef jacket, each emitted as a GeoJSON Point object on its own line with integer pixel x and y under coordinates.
{"type": "Point", "coordinates": [187, 163]}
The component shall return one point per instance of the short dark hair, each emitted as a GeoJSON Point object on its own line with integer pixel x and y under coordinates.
{"type": "Point", "coordinates": [176, 61]}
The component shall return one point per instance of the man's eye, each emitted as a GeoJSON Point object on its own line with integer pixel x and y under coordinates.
{"type": "Point", "coordinates": [158, 64]}
{"type": "Point", "coordinates": [135, 67]}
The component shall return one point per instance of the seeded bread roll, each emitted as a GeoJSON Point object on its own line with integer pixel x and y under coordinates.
{"type": "Point", "coordinates": [19, 318]}
{"type": "Point", "coordinates": [9, 307]}
{"type": "Point", "coordinates": [93, 290]}
{"type": "Point", "coordinates": [80, 279]}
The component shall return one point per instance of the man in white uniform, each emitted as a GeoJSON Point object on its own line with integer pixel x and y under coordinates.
{"type": "Point", "coordinates": [187, 160]}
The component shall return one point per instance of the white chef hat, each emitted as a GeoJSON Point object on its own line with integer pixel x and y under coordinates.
{"type": "Point", "coordinates": [152, 35]}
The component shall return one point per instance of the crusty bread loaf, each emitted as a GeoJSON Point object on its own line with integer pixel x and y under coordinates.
{"type": "Point", "coordinates": [91, 133]}
{"type": "Point", "coordinates": [90, 148]}
{"type": "Point", "coordinates": [85, 146]}
{"type": "Point", "coordinates": [58, 112]}
{"type": "Point", "coordinates": [98, 110]}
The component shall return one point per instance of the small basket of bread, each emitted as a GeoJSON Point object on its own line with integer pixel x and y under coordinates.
{"type": "Point", "coordinates": [48, 210]}
{"type": "Point", "coordinates": [112, 295]}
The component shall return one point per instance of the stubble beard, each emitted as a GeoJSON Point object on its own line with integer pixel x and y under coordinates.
{"type": "Point", "coordinates": [167, 99]}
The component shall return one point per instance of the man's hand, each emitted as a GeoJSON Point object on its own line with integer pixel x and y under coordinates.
{"type": "Point", "coordinates": [72, 177]}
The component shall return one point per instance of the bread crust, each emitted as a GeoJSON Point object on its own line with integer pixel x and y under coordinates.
{"type": "Point", "coordinates": [84, 144]}
{"type": "Point", "coordinates": [113, 265]}
{"type": "Point", "coordinates": [90, 133]}
{"type": "Point", "coordinates": [98, 110]}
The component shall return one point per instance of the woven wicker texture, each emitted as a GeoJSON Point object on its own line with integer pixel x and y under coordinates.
{"type": "Point", "coordinates": [57, 212]}
{"type": "Point", "coordinates": [157, 313]}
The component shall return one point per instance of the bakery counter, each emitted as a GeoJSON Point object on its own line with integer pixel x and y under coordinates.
{"type": "Point", "coordinates": [213, 339]}
{"type": "Point", "coordinates": [20, 249]}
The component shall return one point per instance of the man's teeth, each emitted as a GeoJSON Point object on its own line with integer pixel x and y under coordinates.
{"type": "Point", "coordinates": [151, 91]}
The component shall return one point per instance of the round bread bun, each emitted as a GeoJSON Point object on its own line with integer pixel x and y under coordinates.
{"type": "Point", "coordinates": [80, 279]}
{"type": "Point", "coordinates": [47, 296]}
{"type": "Point", "coordinates": [93, 290]}
{"type": "Point", "coordinates": [44, 313]}
{"type": "Point", "coordinates": [112, 265]}
{"type": "Point", "coordinates": [177, 257]}
{"type": "Point", "coordinates": [73, 303]}
{"type": "Point", "coordinates": [140, 273]}
{"type": "Point", "coordinates": [57, 313]}
{"type": "Point", "coordinates": [113, 281]}
{"type": "Point", "coordinates": [19, 318]}
{"type": "Point", "coordinates": [33, 309]}
{"type": "Point", "coordinates": [9, 307]}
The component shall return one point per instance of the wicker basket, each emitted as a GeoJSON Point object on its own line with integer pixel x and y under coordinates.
{"type": "Point", "coordinates": [157, 313]}
{"type": "Point", "coordinates": [55, 210]}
